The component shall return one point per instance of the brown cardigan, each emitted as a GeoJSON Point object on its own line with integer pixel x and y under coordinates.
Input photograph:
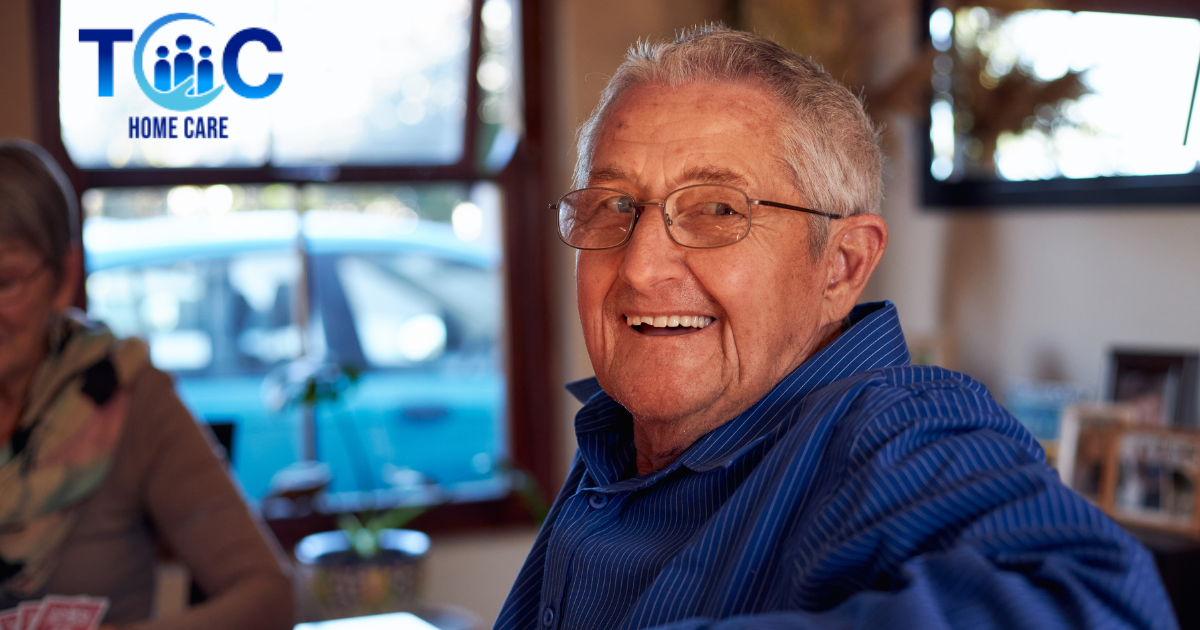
{"type": "Point", "coordinates": [166, 482]}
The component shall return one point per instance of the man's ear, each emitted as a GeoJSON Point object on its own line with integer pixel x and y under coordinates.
{"type": "Point", "coordinates": [856, 244]}
{"type": "Point", "coordinates": [71, 271]}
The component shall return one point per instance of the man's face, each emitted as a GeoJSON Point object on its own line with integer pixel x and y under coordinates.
{"type": "Point", "coordinates": [763, 294]}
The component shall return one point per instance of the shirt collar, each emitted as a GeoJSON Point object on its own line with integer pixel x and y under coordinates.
{"type": "Point", "coordinates": [604, 428]}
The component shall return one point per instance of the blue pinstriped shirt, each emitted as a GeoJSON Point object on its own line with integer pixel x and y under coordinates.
{"type": "Point", "coordinates": [861, 492]}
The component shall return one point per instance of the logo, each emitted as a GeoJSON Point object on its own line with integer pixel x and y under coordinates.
{"type": "Point", "coordinates": [183, 80]}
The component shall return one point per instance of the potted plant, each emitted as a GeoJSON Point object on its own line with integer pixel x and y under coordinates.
{"type": "Point", "coordinates": [369, 566]}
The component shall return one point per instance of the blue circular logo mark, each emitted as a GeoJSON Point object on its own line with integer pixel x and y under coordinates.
{"type": "Point", "coordinates": [177, 97]}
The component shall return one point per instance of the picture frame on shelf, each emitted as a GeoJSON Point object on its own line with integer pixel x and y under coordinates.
{"type": "Point", "coordinates": [1085, 448]}
{"type": "Point", "coordinates": [1157, 479]}
{"type": "Point", "coordinates": [1143, 476]}
{"type": "Point", "coordinates": [1161, 385]}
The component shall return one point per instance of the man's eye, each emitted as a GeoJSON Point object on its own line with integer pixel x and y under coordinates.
{"type": "Point", "coordinates": [618, 204]}
{"type": "Point", "coordinates": [716, 208]}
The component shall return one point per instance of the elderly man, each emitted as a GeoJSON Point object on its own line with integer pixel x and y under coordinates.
{"type": "Point", "coordinates": [755, 450]}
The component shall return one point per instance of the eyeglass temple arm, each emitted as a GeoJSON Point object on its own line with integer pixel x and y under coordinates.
{"type": "Point", "coordinates": [775, 204]}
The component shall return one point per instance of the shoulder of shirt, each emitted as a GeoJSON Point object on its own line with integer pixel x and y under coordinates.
{"type": "Point", "coordinates": [926, 403]}
{"type": "Point", "coordinates": [891, 386]}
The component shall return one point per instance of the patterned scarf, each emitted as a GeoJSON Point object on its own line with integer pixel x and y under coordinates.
{"type": "Point", "coordinates": [63, 445]}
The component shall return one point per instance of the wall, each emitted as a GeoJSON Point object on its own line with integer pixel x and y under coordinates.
{"type": "Point", "coordinates": [1039, 292]}
{"type": "Point", "coordinates": [1042, 293]}
{"type": "Point", "coordinates": [16, 71]}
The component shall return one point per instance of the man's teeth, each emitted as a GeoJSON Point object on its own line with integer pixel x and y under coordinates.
{"type": "Point", "coordinates": [670, 321]}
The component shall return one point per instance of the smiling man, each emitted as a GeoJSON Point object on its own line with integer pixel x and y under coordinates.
{"type": "Point", "coordinates": [755, 450]}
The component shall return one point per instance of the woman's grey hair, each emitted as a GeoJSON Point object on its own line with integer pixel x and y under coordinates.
{"type": "Point", "coordinates": [38, 206]}
{"type": "Point", "coordinates": [828, 142]}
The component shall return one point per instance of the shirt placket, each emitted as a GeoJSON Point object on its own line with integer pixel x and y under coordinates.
{"type": "Point", "coordinates": [587, 511]}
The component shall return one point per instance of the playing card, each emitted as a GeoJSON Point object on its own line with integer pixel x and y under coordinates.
{"type": "Point", "coordinates": [26, 611]}
{"type": "Point", "coordinates": [69, 613]}
{"type": "Point", "coordinates": [8, 619]}
{"type": "Point", "coordinates": [94, 607]}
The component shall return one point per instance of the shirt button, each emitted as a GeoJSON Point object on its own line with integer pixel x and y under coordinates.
{"type": "Point", "coordinates": [598, 501]}
{"type": "Point", "coordinates": [547, 616]}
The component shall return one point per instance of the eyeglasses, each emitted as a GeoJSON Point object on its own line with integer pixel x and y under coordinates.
{"type": "Point", "coordinates": [13, 287]}
{"type": "Point", "coordinates": [703, 216]}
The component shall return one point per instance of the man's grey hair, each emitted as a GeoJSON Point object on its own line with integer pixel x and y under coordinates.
{"type": "Point", "coordinates": [828, 142]}
{"type": "Point", "coordinates": [38, 207]}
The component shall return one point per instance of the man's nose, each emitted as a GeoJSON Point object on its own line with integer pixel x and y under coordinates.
{"type": "Point", "coordinates": [651, 256]}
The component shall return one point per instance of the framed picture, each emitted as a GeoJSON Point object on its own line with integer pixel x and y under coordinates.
{"type": "Point", "coordinates": [1141, 476]}
{"type": "Point", "coordinates": [1156, 479]}
{"type": "Point", "coordinates": [1161, 385]}
{"type": "Point", "coordinates": [1085, 449]}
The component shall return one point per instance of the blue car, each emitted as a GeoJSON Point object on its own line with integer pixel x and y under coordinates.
{"type": "Point", "coordinates": [234, 304]}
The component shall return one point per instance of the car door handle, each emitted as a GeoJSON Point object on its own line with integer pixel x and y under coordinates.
{"type": "Point", "coordinates": [424, 414]}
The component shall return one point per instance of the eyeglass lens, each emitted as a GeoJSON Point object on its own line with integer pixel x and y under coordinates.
{"type": "Point", "coordinates": [695, 216]}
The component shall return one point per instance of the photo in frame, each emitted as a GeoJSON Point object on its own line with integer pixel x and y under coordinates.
{"type": "Point", "coordinates": [1139, 475]}
{"type": "Point", "coordinates": [1156, 479]}
{"type": "Point", "coordinates": [1086, 446]}
{"type": "Point", "coordinates": [1161, 385]}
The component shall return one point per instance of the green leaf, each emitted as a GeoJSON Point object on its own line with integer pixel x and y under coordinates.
{"type": "Point", "coordinates": [395, 518]}
{"type": "Point", "coordinates": [350, 524]}
{"type": "Point", "coordinates": [366, 543]}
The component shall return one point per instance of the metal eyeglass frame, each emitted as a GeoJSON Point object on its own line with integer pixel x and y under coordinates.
{"type": "Point", "coordinates": [640, 205]}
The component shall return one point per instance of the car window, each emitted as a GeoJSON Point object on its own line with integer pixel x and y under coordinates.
{"type": "Point", "coordinates": [263, 291]}
{"type": "Point", "coordinates": [414, 309]}
{"type": "Point", "coordinates": [224, 316]}
{"type": "Point", "coordinates": [164, 304]}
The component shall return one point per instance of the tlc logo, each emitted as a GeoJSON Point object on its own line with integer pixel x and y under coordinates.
{"type": "Point", "coordinates": [182, 83]}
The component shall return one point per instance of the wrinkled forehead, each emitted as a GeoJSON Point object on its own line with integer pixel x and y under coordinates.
{"type": "Point", "coordinates": [717, 132]}
{"type": "Point", "coordinates": [711, 107]}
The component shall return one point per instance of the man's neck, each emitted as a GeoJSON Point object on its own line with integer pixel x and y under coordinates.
{"type": "Point", "coordinates": [657, 446]}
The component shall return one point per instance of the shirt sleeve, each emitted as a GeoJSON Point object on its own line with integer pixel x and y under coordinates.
{"type": "Point", "coordinates": [196, 508]}
{"type": "Point", "coordinates": [961, 588]}
{"type": "Point", "coordinates": [954, 521]}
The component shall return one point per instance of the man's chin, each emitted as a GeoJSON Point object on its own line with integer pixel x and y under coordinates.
{"type": "Point", "coordinates": [662, 400]}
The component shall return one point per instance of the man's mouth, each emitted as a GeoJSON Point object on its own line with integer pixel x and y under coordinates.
{"type": "Point", "coordinates": [667, 324]}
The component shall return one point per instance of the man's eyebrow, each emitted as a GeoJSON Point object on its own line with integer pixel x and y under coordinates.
{"type": "Point", "coordinates": [696, 174]}
{"type": "Point", "coordinates": [713, 175]}
{"type": "Point", "coordinates": [607, 174]}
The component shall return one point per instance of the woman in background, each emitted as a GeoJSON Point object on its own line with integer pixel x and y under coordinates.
{"type": "Point", "coordinates": [99, 460]}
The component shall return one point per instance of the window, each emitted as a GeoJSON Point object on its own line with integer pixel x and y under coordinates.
{"type": "Point", "coordinates": [1047, 106]}
{"type": "Point", "coordinates": [385, 89]}
{"type": "Point", "coordinates": [355, 218]}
